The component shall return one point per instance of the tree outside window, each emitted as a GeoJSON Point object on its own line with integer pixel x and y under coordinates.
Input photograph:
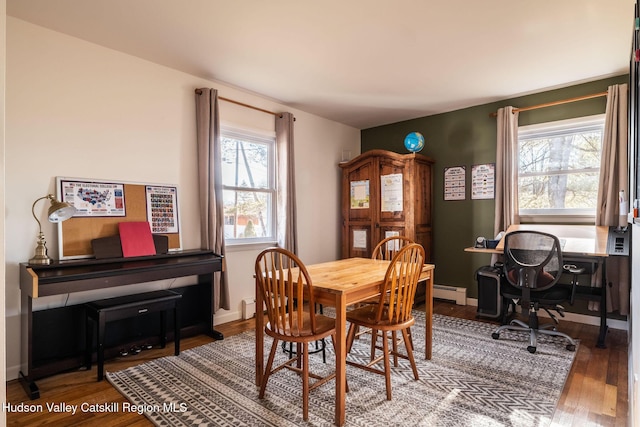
{"type": "Point", "coordinates": [248, 177]}
{"type": "Point", "coordinates": [559, 167]}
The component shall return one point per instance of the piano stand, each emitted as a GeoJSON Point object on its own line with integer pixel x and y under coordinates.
{"type": "Point", "coordinates": [30, 387]}
{"type": "Point", "coordinates": [216, 335]}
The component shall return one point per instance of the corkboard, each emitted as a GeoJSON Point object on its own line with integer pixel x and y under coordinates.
{"type": "Point", "coordinates": [76, 233]}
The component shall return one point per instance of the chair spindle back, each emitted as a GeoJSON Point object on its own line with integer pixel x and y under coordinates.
{"type": "Point", "coordinates": [387, 248]}
{"type": "Point", "coordinates": [401, 281]}
{"type": "Point", "coordinates": [285, 284]}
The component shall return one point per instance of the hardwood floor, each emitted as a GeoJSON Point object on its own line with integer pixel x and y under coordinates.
{"type": "Point", "coordinates": [595, 393]}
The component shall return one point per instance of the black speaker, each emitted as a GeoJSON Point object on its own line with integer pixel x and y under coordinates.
{"type": "Point", "coordinates": [489, 298]}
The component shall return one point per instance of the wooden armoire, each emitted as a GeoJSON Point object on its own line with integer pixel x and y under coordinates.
{"type": "Point", "coordinates": [386, 193]}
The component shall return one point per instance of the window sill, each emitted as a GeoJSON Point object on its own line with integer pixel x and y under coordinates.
{"type": "Point", "coordinates": [253, 246]}
{"type": "Point", "coordinates": [557, 219]}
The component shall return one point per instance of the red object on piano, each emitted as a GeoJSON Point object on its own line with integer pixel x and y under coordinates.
{"type": "Point", "coordinates": [136, 239]}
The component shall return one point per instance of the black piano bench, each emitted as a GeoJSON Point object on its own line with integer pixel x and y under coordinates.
{"type": "Point", "coordinates": [128, 306]}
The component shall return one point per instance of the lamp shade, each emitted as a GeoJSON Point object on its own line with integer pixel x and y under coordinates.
{"type": "Point", "coordinates": [60, 211]}
{"type": "Point", "coordinates": [57, 212]}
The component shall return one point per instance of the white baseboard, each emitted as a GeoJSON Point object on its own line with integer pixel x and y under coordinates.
{"type": "Point", "coordinates": [585, 319]}
{"type": "Point", "coordinates": [13, 372]}
{"type": "Point", "coordinates": [226, 316]}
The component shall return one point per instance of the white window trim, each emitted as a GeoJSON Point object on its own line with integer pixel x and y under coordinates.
{"type": "Point", "coordinates": [268, 137]}
{"type": "Point", "coordinates": [559, 125]}
{"type": "Point", "coordinates": [558, 216]}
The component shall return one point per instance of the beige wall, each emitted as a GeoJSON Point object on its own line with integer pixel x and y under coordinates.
{"type": "Point", "coordinates": [76, 109]}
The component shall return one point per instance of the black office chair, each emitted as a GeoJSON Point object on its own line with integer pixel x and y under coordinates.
{"type": "Point", "coordinates": [532, 267]}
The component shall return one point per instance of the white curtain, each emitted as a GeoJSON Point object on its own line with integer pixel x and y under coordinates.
{"type": "Point", "coordinates": [287, 223]}
{"type": "Point", "coordinates": [506, 191]}
{"type": "Point", "coordinates": [210, 187]}
{"type": "Point", "coordinates": [613, 178]}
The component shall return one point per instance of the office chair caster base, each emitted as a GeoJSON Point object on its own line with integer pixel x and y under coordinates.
{"type": "Point", "coordinates": [531, 349]}
{"type": "Point", "coordinates": [495, 335]}
{"type": "Point", "coordinates": [571, 347]}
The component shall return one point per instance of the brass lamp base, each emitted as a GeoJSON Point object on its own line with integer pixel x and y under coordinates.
{"type": "Point", "coordinates": [40, 257]}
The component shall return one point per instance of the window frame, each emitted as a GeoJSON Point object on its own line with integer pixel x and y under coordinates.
{"type": "Point", "coordinates": [257, 137]}
{"type": "Point", "coordinates": [582, 216]}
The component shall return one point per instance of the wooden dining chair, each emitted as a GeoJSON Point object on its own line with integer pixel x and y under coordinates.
{"type": "Point", "coordinates": [287, 291]}
{"type": "Point", "coordinates": [385, 250]}
{"type": "Point", "coordinates": [392, 313]}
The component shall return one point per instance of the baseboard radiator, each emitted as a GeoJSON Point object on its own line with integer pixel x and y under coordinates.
{"type": "Point", "coordinates": [450, 293]}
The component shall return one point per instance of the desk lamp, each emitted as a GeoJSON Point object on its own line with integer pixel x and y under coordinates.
{"type": "Point", "coordinates": [58, 212]}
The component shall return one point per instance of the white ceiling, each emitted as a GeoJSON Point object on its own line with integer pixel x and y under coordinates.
{"type": "Point", "coordinates": [361, 62]}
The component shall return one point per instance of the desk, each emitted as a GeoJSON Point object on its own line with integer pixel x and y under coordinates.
{"type": "Point", "coordinates": [579, 242]}
{"type": "Point", "coordinates": [340, 284]}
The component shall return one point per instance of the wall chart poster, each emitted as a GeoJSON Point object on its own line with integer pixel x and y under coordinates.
{"type": "Point", "coordinates": [162, 209]}
{"type": "Point", "coordinates": [360, 239]}
{"type": "Point", "coordinates": [455, 182]}
{"type": "Point", "coordinates": [483, 181]}
{"type": "Point", "coordinates": [391, 192]}
{"type": "Point", "coordinates": [359, 194]}
{"type": "Point", "coordinates": [94, 198]}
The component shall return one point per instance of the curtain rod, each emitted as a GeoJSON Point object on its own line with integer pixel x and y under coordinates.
{"type": "Point", "coordinates": [551, 104]}
{"type": "Point", "coordinates": [247, 105]}
{"type": "Point", "coordinates": [199, 92]}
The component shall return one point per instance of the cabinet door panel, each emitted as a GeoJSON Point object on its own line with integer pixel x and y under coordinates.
{"type": "Point", "coordinates": [360, 185]}
{"type": "Point", "coordinates": [359, 241]}
{"type": "Point", "coordinates": [392, 205]}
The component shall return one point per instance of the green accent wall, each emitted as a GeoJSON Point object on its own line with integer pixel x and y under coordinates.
{"type": "Point", "coordinates": [468, 137]}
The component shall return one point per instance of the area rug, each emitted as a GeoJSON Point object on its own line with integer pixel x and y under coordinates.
{"type": "Point", "coordinates": [471, 380]}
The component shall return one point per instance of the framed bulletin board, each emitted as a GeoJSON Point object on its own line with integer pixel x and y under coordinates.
{"type": "Point", "coordinates": [102, 204]}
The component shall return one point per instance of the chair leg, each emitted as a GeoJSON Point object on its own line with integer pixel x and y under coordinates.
{"type": "Point", "coordinates": [572, 344]}
{"type": "Point", "coordinates": [351, 334]}
{"type": "Point", "coordinates": [324, 348]}
{"type": "Point", "coordinates": [387, 365]}
{"type": "Point", "coordinates": [394, 337]}
{"type": "Point", "coordinates": [305, 380]}
{"type": "Point", "coordinates": [410, 337]}
{"type": "Point", "coordinates": [533, 341]}
{"type": "Point", "coordinates": [267, 369]}
{"type": "Point", "coordinates": [406, 334]}
{"type": "Point", "coordinates": [374, 340]}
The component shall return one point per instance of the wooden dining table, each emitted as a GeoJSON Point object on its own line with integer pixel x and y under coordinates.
{"type": "Point", "coordinates": [340, 284]}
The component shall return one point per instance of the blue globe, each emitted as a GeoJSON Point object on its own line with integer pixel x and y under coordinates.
{"type": "Point", "coordinates": [414, 142]}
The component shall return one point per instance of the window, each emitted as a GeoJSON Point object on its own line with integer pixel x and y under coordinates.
{"type": "Point", "coordinates": [248, 183]}
{"type": "Point", "coordinates": [559, 167]}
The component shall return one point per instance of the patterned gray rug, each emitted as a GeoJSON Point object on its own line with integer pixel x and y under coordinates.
{"type": "Point", "coordinates": [472, 380]}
